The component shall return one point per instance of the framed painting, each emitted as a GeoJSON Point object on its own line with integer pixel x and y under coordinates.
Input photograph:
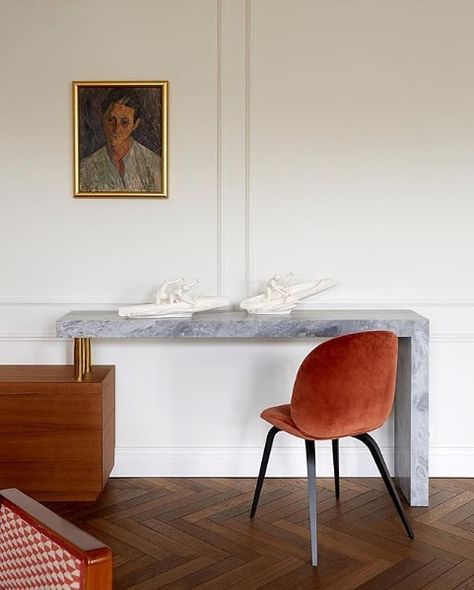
{"type": "Point", "coordinates": [120, 139]}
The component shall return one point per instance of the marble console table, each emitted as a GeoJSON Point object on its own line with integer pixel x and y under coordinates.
{"type": "Point", "coordinates": [412, 329]}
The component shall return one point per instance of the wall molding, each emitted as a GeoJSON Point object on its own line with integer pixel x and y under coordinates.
{"type": "Point", "coordinates": [28, 337]}
{"type": "Point", "coordinates": [388, 302]}
{"type": "Point", "coordinates": [219, 139]}
{"type": "Point", "coordinates": [452, 337]}
{"type": "Point", "coordinates": [64, 300]}
{"type": "Point", "coordinates": [248, 64]}
{"type": "Point", "coordinates": [235, 461]}
{"type": "Point", "coordinates": [232, 156]}
{"type": "Point", "coordinates": [322, 303]}
{"type": "Point", "coordinates": [284, 462]}
{"type": "Point", "coordinates": [460, 337]}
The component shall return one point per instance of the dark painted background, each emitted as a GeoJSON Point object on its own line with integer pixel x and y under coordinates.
{"type": "Point", "coordinates": [91, 135]}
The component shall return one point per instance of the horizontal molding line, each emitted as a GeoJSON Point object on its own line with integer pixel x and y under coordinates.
{"type": "Point", "coordinates": [322, 447]}
{"type": "Point", "coordinates": [64, 301]}
{"type": "Point", "coordinates": [387, 302]}
{"type": "Point", "coordinates": [43, 336]}
{"type": "Point", "coordinates": [452, 337]}
{"type": "Point", "coordinates": [236, 461]}
{"type": "Point", "coordinates": [26, 337]}
{"type": "Point", "coordinates": [327, 303]}
{"type": "Point", "coordinates": [284, 462]}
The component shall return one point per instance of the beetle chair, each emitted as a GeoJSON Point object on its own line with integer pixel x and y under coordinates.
{"type": "Point", "coordinates": [41, 551]}
{"type": "Point", "coordinates": [344, 387]}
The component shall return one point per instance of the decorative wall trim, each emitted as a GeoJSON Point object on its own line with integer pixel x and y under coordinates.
{"type": "Point", "coordinates": [452, 462]}
{"type": "Point", "coordinates": [284, 462]}
{"type": "Point", "coordinates": [237, 462]}
{"type": "Point", "coordinates": [219, 73]}
{"type": "Point", "coordinates": [387, 302]}
{"type": "Point", "coordinates": [28, 337]}
{"type": "Point", "coordinates": [326, 303]}
{"type": "Point", "coordinates": [452, 337]}
{"type": "Point", "coordinates": [462, 337]}
{"type": "Point", "coordinates": [248, 58]}
{"type": "Point", "coordinates": [62, 300]}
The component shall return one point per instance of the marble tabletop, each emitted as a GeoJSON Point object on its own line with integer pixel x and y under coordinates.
{"type": "Point", "coordinates": [240, 324]}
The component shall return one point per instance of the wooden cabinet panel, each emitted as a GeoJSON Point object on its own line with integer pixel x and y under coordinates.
{"type": "Point", "coordinates": [57, 435]}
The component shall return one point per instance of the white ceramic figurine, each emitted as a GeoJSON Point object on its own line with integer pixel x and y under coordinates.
{"type": "Point", "coordinates": [282, 295]}
{"type": "Point", "coordinates": [173, 301]}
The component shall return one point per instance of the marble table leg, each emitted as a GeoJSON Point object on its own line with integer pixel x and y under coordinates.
{"type": "Point", "coordinates": [411, 417]}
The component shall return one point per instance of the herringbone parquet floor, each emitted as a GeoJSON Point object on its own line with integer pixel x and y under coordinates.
{"type": "Point", "coordinates": [195, 533]}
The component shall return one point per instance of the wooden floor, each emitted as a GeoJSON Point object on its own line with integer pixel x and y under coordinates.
{"type": "Point", "coordinates": [195, 533]}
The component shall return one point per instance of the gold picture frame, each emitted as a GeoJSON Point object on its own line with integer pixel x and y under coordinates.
{"type": "Point", "coordinates": [120, 139]}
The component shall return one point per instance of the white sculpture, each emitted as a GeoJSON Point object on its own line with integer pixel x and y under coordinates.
{"type": "Point", "coordinates": [173, 301]}
{"type": "Point", "coordinates": [174, 291]}
{"type": "Point", "coordinates": [282, 296]}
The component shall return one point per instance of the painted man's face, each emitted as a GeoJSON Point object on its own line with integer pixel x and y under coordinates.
{"type": "Point", "coordinates": [119, 123]}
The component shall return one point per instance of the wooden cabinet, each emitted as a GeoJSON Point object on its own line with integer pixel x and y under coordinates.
{"type": "Point", "coordinates": [57, 435]}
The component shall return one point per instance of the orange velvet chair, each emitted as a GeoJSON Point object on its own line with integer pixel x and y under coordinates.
{"type": "Point", "coordinates": [344, 387]}
{"type": "Point", "coordinates": [39, 550]}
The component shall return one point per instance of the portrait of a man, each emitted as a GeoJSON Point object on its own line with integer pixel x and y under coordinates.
{"type": "Point", "coordinates": [120, 139]}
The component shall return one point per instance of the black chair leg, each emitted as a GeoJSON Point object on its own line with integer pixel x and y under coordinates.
{"type": "Point", "coordinates": [313, 515]}
{"type": "Point", "coordinates": [378, 458]}
{"type": "Point", "coordinates": [335, 460]}
{"type": "Point", "coordinates": [263, 468]}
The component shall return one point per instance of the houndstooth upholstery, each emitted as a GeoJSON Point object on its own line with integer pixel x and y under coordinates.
{"type": "Point", "coordinates": [31, 561]}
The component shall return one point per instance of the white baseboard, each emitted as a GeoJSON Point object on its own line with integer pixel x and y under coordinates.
{"type": "Point", "coordinates": [232, 462]}
{"type": "Point", "coordinates": [284, 462]}
{"type": "Point", "coordinates": [452, 462]}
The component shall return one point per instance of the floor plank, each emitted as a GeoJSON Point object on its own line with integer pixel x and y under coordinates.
{"type": "Point", "coordinates": [185, 533]}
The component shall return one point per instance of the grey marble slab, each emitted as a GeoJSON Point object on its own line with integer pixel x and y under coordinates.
{"type": "Point", "coordinates": [239, 324]}
{"type": "Point", "coordinates": [411, 449]}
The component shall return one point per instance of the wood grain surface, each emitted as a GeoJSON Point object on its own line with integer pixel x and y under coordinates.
{"type": "Point", "coordinates": [57, 435]}
{"type": "Point", "coordinates": [196, 533]}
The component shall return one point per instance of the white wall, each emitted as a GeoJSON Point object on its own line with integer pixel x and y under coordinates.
{"type": "Point", "coordinates": [326, 137]}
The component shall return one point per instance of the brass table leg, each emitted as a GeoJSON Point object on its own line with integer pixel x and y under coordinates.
{"type": "Point", "coordinates": [82, 357]}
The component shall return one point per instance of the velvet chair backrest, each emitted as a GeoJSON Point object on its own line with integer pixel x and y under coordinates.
{"type": "Point", "coordinates": [346, 385]}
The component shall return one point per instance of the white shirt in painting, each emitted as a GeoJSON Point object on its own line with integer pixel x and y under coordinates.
{"type": "Point", "coordinates": [97, 172]}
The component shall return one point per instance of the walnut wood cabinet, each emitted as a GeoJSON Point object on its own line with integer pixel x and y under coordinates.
{"type": "Point", "coordinates": [57, 434]}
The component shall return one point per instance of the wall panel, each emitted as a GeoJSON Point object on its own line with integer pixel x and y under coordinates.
{"type": "Point", "coordinates": [324, 138]}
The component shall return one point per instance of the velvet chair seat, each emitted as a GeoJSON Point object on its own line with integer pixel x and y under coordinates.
{"type": "Point", "coordinates": [280, 416]}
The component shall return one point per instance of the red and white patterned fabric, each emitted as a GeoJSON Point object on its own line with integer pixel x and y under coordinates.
{"type": "Point", "coordinates": [31, 561]}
